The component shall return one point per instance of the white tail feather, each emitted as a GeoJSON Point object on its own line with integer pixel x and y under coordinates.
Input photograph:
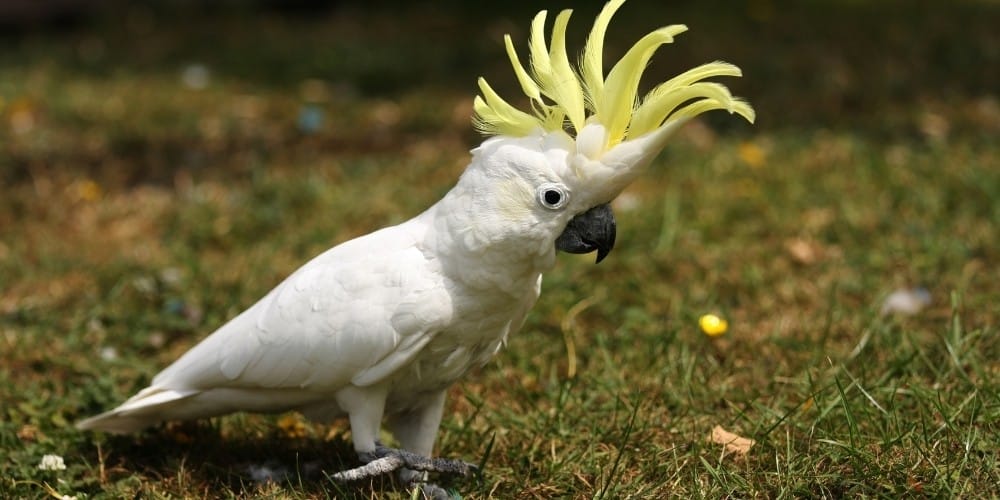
{"type": "Point", "coordinates": [158, 404]}
{"type": "Point", "coordinates": [148, 407]}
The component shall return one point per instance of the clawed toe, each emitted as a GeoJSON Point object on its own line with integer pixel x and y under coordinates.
{"type": "Point", "coordinates": [385, 460]}
{"type": "Point", "coordinates": [421, 463]}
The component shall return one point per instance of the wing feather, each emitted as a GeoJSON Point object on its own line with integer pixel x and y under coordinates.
{"type": "Point", "coordinates": [329, 323]}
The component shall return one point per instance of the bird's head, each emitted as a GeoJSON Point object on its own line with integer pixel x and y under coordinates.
{"type": "Point", "coordinates": [587, 135]}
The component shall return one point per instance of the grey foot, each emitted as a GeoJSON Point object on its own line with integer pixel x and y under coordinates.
{"type": "Point", "coordinates": [385, 460]}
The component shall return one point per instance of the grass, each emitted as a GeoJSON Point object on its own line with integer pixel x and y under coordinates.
{"type": "Point", "coordinates": [137, 214]}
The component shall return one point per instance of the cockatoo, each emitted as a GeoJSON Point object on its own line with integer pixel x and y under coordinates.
{"type": "Point", "coordinates": [379, 327]}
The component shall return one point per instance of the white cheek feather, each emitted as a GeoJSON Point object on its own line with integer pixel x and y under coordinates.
{"type": "Point", "coordinates": [514, 200]}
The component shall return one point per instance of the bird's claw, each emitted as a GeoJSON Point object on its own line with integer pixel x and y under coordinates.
{"type": "Point", "coordinates": [384, 460]}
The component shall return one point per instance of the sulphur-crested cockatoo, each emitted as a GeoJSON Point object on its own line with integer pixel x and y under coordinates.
{"type": "Point", "coordinates": [381, 326]}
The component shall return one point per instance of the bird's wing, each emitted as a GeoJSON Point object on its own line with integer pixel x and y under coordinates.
{"type": "Point", "coordinates": [352, 314]}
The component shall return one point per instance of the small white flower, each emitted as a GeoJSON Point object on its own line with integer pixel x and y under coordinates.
{"type": "Point", "coordinates": [68, 497]}
{"type": "Point", "coordinates": [906, 302]}
{"type": "Point", "coordinates": [52, 462]}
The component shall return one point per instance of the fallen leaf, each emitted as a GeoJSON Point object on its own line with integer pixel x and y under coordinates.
{"type": "Point", "coordinates": [28, 432]}
{"type": "Point", "coordinates": [734, 443]}
{"type": "Point", "coordinates": [803, 251]}
{"type": "Point", "coordinates": [807, 405]}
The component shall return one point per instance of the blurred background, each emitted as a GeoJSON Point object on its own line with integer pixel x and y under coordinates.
{"type": "Point", "coordinates": [137, 91]}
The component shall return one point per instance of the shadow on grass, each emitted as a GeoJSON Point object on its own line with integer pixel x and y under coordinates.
{"type": "Point", "coordinates": [198, 456]}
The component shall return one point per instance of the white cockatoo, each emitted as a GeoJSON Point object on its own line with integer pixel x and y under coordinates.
{"type": "Point", "coordinates": [381, 326]}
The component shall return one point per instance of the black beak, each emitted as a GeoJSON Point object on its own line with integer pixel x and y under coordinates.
{"type": "Point", "coordinates": [589, 231]}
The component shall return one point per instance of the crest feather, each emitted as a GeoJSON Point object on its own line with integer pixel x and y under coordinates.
{"type": "Point", "coordinates": [493, 115]}
{"type": "Point", "coordinates": [564, 87]}
{"type": "Point", "coordinates": [528, 85]}
{"type": "Point", "coordinates": [615, 106]}
{"type": "Point", "coordinates": [593, 52]}
{"type": "Point", "coordinates": [564, 97]}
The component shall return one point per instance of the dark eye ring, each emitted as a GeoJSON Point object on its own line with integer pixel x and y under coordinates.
{"type": "Point", "coordinates": [553, 196]}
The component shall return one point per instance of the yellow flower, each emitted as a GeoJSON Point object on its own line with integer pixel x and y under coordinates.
{"type": "Point", "coordinates": [712, 325]}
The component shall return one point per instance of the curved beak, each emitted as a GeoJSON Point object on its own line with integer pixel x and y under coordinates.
{"type": "Point", "coordinates": [592, 230]}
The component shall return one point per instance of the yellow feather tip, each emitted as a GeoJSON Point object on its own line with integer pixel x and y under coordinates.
{"type": "Point", "coordinates": [566, 98]}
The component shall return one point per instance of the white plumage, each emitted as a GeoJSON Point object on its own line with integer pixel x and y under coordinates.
{"type": "Point", "coordinates": [384, 323]}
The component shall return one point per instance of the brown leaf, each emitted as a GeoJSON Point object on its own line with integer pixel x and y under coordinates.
{"type": "Point", "coordinates": [734, 443]}
{"type": "Point", "coordinates": [803, 251]}
{"type": "Point", "coordinates": [29, 432]}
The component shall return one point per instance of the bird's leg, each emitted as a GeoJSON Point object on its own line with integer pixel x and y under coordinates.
{"type": "Point", "coordinates": [364, 407]}
{"type": "Point", "coordinates": [416, 431]}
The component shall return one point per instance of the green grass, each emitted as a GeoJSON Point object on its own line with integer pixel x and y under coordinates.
{"type": "Point", "coordinates": [136, 215]}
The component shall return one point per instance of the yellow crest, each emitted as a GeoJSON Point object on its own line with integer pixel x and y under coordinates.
{"type": "Point", "coordinates": [566, 98]}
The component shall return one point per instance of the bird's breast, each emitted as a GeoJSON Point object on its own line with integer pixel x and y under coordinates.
{"type": "Point", "coordinates": [479, 328]}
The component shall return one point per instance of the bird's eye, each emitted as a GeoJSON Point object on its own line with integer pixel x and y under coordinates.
{"type": "Point", "coordinates": [553, 196]}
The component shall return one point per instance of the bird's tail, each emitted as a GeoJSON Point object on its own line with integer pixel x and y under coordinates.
{"type": "Point", "coordinates": [150, 406]}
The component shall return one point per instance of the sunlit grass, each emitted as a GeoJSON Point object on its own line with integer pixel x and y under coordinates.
{"type": "Point", "coordinates": [136, 215]}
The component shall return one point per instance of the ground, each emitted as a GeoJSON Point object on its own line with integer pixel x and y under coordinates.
{"type": "Point", "coordinates": [161, 169]}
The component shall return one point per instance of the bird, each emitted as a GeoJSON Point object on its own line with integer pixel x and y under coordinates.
{"type": "Point", "coordinates": [377, 328]}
